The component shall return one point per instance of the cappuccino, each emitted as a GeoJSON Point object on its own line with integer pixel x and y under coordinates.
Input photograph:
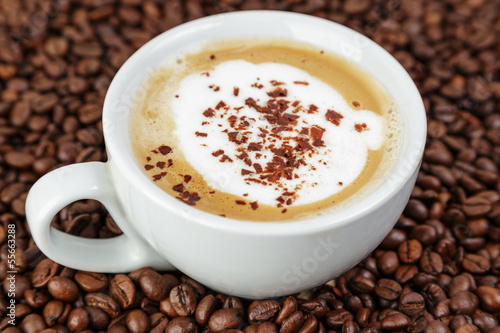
{"type": "Point", "coordinates": [264, 130]}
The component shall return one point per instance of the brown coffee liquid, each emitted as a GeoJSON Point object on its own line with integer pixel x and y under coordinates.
{"type": "Point", "coordinates": [149, 131]}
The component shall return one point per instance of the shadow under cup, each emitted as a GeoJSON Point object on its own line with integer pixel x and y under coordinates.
{"type": "Point", "coordinates": [250, 259]}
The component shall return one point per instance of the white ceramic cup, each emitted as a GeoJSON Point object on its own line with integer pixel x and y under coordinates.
{"type": "Point", "coordinates": [242, 258]}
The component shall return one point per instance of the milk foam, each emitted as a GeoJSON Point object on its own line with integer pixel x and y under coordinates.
{"type": "Point", "coordinates": [327, 168]}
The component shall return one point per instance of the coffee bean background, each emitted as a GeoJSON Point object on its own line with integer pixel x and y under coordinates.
{"type": "Point", "coordinates": [437, 271]}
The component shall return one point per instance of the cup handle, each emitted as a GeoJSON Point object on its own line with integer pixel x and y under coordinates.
{"type": "Point", "coordinates": [68, 184]}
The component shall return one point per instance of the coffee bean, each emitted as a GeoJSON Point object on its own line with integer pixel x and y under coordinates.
{"type": "Point", "coordinates": [183, 300]}
{"type": "Point", "coordinates": [431, 262]}
{"type": "Point", "coordinates": [394, 239]}
{"type": "Point", "coordinates": [158, 322]}
{"type": "Point", "coordinates": [464, 302]}
{"type": "Point", "coordinates": [388, 263]}
{"type": "Point", "coordinates": [181, 325]}
{"type": "Point", "coordinates": [434, 293]}
{"type": "Point", "coordinates": [362, 284]}
{"type": "Point", "coordinates": [436, 326]}
{"type": "Point", "coordinates": [103, 302]}
{"type": "Point", "coordinates": [224, 319]}
{"type": "Point", "coordinates": [442, 309]}
{"type": "Point", "coordinates": [336, 318]}
{"type": "Point", "coordinates": [53, 311]}
{"type": "Point", "coordinates": [468, 328]}
{"type": "Point", "coordinates": [388, 289]}
{"type": "Point", "coordinates": [63, 289]}
{"type": "Point", "coordinates": [91, 282]}
{"type": "Point", "coordinates": [154, 285]}
{"type": "Point", "coordinates": [489, 298]}
{"type": "Point", "coordinates": [316, 307]}
{"type": "Point", "coordinates": [123, 290]}
{"type": "Point", "coordinates": [98, 319]}
{"type": "Point", "coordinates": [484, 321]}
{"type": "Point", "coordinates": [476, 207]}
{"type": "Point", "coordinates": [475, 264]}
{"type": "Point", "coordinates": [33, 323]}
{"type": "Point", "coordinates": [395, 322]}
{"type": "Point", "coordinates": [78, 320]}
{"type": "Point", "coordinates": [206, 307]}
{"type": "Point", "coordinates": [310, 325]}
{"type": "Point", "coordinates": [167, 308]}
{"type": "Point", "coordinates": [137, 321]}
{"type": "Point", "coordinates": [260, 311]}
{"type": "Point", "coordinates": [405, 273]}
{"type": "Point", "coordinates": [36, 298]}
{"type": "Point", "coordinates": [293, 323]}
{"type": "Point", "coordinates": [410, 251]}
{"type": "Point", "coordinates": [267, 327]}
{"type": "Point", "coordinates": [411, 303]}
{"type": "Point", "coordinates": [290, 305]}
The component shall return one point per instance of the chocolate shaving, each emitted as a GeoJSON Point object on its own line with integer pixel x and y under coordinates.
{"type": "Point", "coordinates": [252, 146]}
{"type": "Point", "coordinates": [164, 150]}
{"type": "Point", "coordinates": [225, 158]}
{"type": "Point", "coordinates": [148, 167]}
{"type": "Point", "coordinates": [218, 153]}
{"type": "Point", "coordinates": [209, 113]}
{"type": "Point", "coordinates": [245, 172]}
{"type": "Point", "coordinates": [278, 92]}
{"type": "Point", "coordinates": [333, 117]}
{"type": "Point", "coordinates": [187, 178]}
{"type": "Point", "coordinates": [221, 104]}
{"type": "Point", "coordinates": [301, 82]}
{"type": "Point", "coordinates": [236, 91]}
{"type": "Point", "coordinates": [190, 199]}
{"type": "Point", "coordinates": [240, 202]}
{"type": "Point", "coordinates": [160, 164]}
{"type": "Point", "coordinates": [254, 205]}
{"type": "Point", "coordinates": [201, 134]}
{"type": "Point", "coordinates": [178, 188]}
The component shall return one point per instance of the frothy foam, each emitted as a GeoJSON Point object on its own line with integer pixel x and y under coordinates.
{"type": "Point", "coordinates": [263, 127]}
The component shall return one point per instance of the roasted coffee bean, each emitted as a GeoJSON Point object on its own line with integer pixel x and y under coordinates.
{"type": "Point", "coordinates": [32, 323]}
{"type": "Point", "coordinates": [464, 302]}
{"type": "Point", "coordinates": [137, 321]}
{"type": "Point", "coordinates": [468, 328]}
{"type": "Point", "coordinates": [98, 319]}
{"type": "Point", "coordinates": [484, 321]}
{"type": "Point", "coordinates": [388, 263]}
{"type": "Point", "coordinates": [158, 322]}
{"type": "Point", "coordinates": [63, 289]}
{"type": "Point", "coordinates": [431, 263]}
{"type": "Point", "coordinates": [388, 289]}
{"type": "Point", "coordinates": [315, 307]}
{"type": "Point", "coordinates": [394, 239]}
{"type": "Point", "coordinates": [206, 307]}
{"type": "Point", "coordinates": [489, 298]}
{"type": "Point", "coordinates": [293, 323]}
{"type": "Point", "coordinates": [181, 325]}
{"type": "Point", "coordinates": [395, 322]}
{"type": "Point", "coordinates": [290, 305]}
{"type": "Point", "coordinates": [36, 298]}
{"type": "Point", "coordinates": [225, 319]}
{"type": "Point", "coordinates": [234, 303]}
{"type": "Point", "coordinates": [411, 303]}
{"type": "Point", "coordinates": [267, 327]}
{"type": "Point", "coordinates": [436, 326]}
{"type": "Point", "coordinates": [123, 290]}
{"type": "Point", "coordinates": [260, 311]}
{"type": "Point", "coordinates": [103, 302]}
{"type": "Point", "coordinates": [405, 273]}
{"type": "Point", "coordinates": [183, 300]}
{"type": "Point", "coordinates": [410, 251]}
{"type": "Point", "coordinates": [336, 318]}
{"type": "Point", "coordinates": [78, 320]}
{"type": "Point", "coordinates": [154, 285]}
{"type": "Point", "coordinates": [475, 264]}
{"type": "Point", "coordinates": [91, 282]}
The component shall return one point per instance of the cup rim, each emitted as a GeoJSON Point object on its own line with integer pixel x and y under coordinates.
{"type": "Point", "coordinates": [383, 193]}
